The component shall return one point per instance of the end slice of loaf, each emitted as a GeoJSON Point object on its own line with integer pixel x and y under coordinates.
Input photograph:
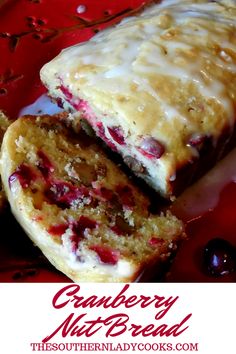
{"type": "Point", "coordinates": [78, 207]}
{"type": "Point", "coordinates": [159, 88]}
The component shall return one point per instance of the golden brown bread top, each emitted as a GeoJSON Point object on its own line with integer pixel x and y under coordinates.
{"type": "Point", "coordinates": [169, 73]}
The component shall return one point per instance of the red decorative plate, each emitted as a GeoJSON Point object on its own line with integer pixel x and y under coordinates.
{"type": "Point", "coordinates": [31, 33]}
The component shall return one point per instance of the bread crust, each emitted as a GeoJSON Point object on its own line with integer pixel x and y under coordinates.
{"type": "Point", "coordinates": [4, 124]}
{"type": "Point", "coordinates": [171, 76]}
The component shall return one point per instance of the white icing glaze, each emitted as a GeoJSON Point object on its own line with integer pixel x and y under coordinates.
{"type": "Point", "coordinates": [191, 42]}
{"type": "Point", "coordinates": [164, 53]}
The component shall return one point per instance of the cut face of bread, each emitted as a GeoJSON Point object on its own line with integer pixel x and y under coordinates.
{"type": "Point", "coordinates": [159, 88]}
{"type": "Point", "coordinates": [77, 206]}
{"type": "Point", "coordinates": [4, 124]}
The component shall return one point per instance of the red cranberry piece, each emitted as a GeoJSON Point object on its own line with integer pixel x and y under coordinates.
{"type": "Point", "coordinates": [105, 193]}
{"type": "Point", "coordinates": [126, 196]}
{"type": "Point", "coordinates": [219, 257]}
{"type": "Point", "coordinates": [58, 230]}
{"type": "Point", "coordinates": [101, 130]}
{"type": "Point", "coordinates": [117, 230]}
{"type": "Point", "coordinates": [75, 240]}
{"type": "Point", "coordinates": [68, 95]}
{"type": "Point", "coordinates": [106, 254]}
{"type": "Point", "coordinates": [155, 241]}
{"type": "Point", "coordinates": [60, 103]}
{"type": "Point", "coordinates": [45, 165]}
{"type": "Point", "coordinates": [112, 199]}
{"type": "Point", "coordinates": [24, 174]}
{"type": "Point", "coordinates": [117, 135]}
{"type": "Point", "coordinates": [78, 228]}
{"type": "Point", "coordinates": [65, 194]}
{"type": "Point", "coordinates": [82, 224]}
{"type": "Point", "coordinates": [197, 140]}
{"type": "Point", "coordinates": [102, 135]}
{"type": "Point", "coordinates": [151, 148]}
{"type": "Point", "coordinates": [81, 105]}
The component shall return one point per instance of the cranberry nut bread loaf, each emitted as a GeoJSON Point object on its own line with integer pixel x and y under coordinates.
{"type": "Point", "coordinates": [84, 214]}
{"type": "Point", "coordinates": [4, 124]}
{"type": "Point", "coordinates": [159, 88]}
